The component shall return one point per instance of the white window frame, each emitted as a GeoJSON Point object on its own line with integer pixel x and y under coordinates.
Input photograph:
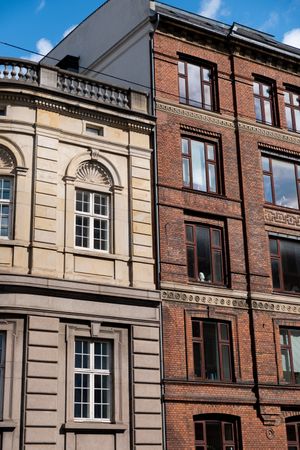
{"type": "Point", "coordinates": [92, 217]}
{"type": "Point", "coordinates": [91, 371]}
{"type": "Point", "coordinates": [7, 202]}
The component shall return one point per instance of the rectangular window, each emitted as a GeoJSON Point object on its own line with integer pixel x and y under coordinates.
{"type": "Point", "coordinates": [281, 182]}
{"type": "Point", "coordinates": [214, 434]}
{"type": "Point", "coordinates": [93, 380]}
{"type": "Point", "coordinates": [211, 350]}
{"type": "Point", "coordinates": [285, 263]}
{"type": "Point", "coordinates": [197, 85]}
{"type": "Point", "coordinates": [205, 257]}
{"type": "Point", "coordinates": [6, 195]}
{"type": "Point", "coordinates": [292, 110]}
{"type": "Point", "coordinates": [199, 165]}
{"type": "Point", "coordinates": [264, 102]}
{"type": "Point", "coordinates": [92, 220]}
{"type": "Point", "coordinates": [290, 354]}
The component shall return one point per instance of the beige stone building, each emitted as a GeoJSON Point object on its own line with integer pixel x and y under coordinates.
{"type": "Point", "coordinates": [79, 313]}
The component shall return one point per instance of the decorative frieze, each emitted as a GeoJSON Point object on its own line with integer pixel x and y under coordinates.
{"type": "Point", "coordinates": [188, 297]}
{"type": "Point", "coordinates": [285, 219]}
{"type": "Point", "coordinates": [183, 112]}
{"type": "Point", "coordinates": [278, 135]}
{"type": "Point", "coordinates": [276, 307]}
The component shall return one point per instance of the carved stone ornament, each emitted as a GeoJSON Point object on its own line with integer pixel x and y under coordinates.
{"type": "Point", "coordinates": [276, 307]}
{"type": "Point", "coordinates": [6, 159]}
{"type": "Point", "coordinates": [188, 297]}
{"type": "Point", "coordinates": [270, 433]}
{"type": "Point", "coordinates": [284, 219]}
{"type": "Point", "coordinates": [93, 172]}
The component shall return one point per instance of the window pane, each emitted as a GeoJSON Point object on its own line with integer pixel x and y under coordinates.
{"type": "Point", "coordinates": [217, 262]}
{"type": "Point", "coordinates": [185, 146]}
{"type": "Point", "coordinates": [288, 116]}
{"type": "Point", "coordinates": [268, 113]}
{"type": "Point", "coordinates": [210, 152]}
{"type": "Point", "coordinates": [211, 354]}
{"type": "Point", "coordinates": [266, 90]}
{"type": "Point", "coordinates": [101, 204]}
{"type": "Point", "coordinates": [204, 253]}
{"type": "Point", "coordinates": [290, 256]}
{"type": "Point", "coordinates": [257, 107]}
{"type": "Point", "coordinates": [297, 119]}
{"type": "Point", "coordinates": [273, 246]}
{"type": "Point", "coordinates": [228, 429]}
{"type": "Point", "coordinates": [295, 343]}
{"type": "Point", "coordinates": [198, 166]}
{"type": "Point", "coordinates": [256, 88]}
{"type": "Point", "coordinates": [189, 233]}
{"type": "Point", "coordinates": [181, 67]}
{"type": "Point", "coordinates": [268, 189]}
{"type": "Point", "coordinates": [206, 73]}
{"type": "Point", "coordinates": [207, 97]}
{"type": "Point", "coordinates": [196, 328]}
{"type": "Point", "coordinates": [275, 273]}
{"type": "Point", "coordinates": [285, 184]}
{"type": "Point", "coordinates": [286, 365]}
{"type": "Point", "coordinates": [191, 262]}
{"type": "Point", "coordinates": [199, 434]}
{"type": "Point", "coordinates": [224, 332]}
{"type": "Point", "coordinates": [214, 435]}
{"type": "Point", "coordinates": [216, 238]}
{"type": "Point", "coordinates": [194, 85]}
{"type": "Point", "coordinates": [226, 362]}
{"type": "Point", "coordinates": [182, 90]}
{"type": "Point", "coordinates": [284, 337]}
{"type": "Point", "coordinates": [212, 177]}
{"type": "Point", "coordinates": [291, 432]}
{"type": "Point", "coordinates": [197, 358]}
{"type": "Point", "coordinates": [186, 172]}
{"type": "Point", "coordinates": [82, 231]}
{"type": "Point", "coordinates": [82, 201]}
{"type": "Point", "coordinates": [266, 164]}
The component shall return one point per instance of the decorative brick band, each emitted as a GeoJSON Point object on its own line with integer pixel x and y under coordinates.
{"type": "Point", "coordinates": [188, 297]}
{"type": "Point", "coordinates": [282, 218]}
{"type": "Point", "coordinates": [276, 307]}
{"type": "Point", "coordinates": [279, 135]}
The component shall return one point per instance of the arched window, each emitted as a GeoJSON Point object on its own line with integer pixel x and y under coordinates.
{"type": "Point", "coordinates": [216, 432]}
{"type": "Point", "coordinates": [7, 166]}
{"type": "Point", "coordinates": [93, 207]}
{"type": "Point", "coordinates": [293, 433]}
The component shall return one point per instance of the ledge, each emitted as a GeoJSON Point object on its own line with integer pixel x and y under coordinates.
{"type": "Point", "coordinates": [101, 427]}
{"type": "Point", "coordinates": [8, 425]}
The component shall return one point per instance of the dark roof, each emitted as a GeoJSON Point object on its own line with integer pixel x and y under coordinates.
{"type": "Point", "coordinates": [236, 30]}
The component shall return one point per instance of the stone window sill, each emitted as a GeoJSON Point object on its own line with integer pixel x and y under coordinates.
{"type": "Point", "coordinates": [7, 425]}
{"type": "Point", "coordinates": [101, 427]}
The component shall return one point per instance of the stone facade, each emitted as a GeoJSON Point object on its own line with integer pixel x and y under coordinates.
{"type": "Point", "coordinates": [58, 289]}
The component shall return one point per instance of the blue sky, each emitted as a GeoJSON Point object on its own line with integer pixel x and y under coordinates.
{"type": "Point", "coordinates": [37, 25]}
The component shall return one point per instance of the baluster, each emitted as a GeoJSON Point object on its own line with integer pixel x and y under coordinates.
{"type": "Point", "coordinates": [85, 89]}
{"type": "Point", "coordinates": [112, 96]}
{"type": "Point", "coordinates": [119, 98]}
{"type": "Point", "coordinates": [5, 71]}
{"type": "Point", "coordinates": [106, 94]}
{"type": "Point", "coordinates": [126, 101]}
{"type": "Point", "coordinates": [65, 83]}
{"type": "Point", "coordinates": [28, 73]}
{"type": "Point", "coordinates": [13, 71]}
{"type": "Point", "coordinates": [79, 88]}
{"type": "Point", "coordinates": [92, 92]}
{"type": "Point", "coordinates": [100, 93]}
{"type": "Point", "coordinates": [59, 83]}
{"type": "Point", "coordinates": [34, 75]}
{"type": "Point", "coordinates": [72, 86]}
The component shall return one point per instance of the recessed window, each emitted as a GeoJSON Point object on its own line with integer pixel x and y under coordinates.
{"type": "Point", "coordinates": [264, 102]}
{"type": "Point", "coordinates": [285, 262]}
{"type": "Point", "coordinates": [93, 380]}
{"type": "Point", "coordinates": [281, 182]}
{"type": "Point", "coordinates": [92, 219]}
{"type": "Point", "coordinates": [293, 435]}
{"type": "Point", "coordinates": [290, 354]}
{"type": "Point", "coordinates": [97, 131]}
{"type": "Point", "coordinates": [6, 195]}
{"type": "Point", "coordinates": [292, 110]}
{"type": "Point", "coordinates": [205, 253]}
{"type": "Point", "coordinates": [215, 434]}
{"type": "Point", "coordinates": [2, 110]}
{"type": "Point", "coordinates": [196, 85]}
{"type": "Point", "coordinates": [199, 165]}
{"type": "Point", "coordinates": [212, 350]}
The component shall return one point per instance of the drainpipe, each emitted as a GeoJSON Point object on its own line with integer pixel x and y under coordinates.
{"type": "Point", "coordinates": [155, 21]}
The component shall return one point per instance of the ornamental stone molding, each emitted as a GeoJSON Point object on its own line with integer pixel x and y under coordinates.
{"type": "Point", "coordinates": [93, 172]}
{"type": "Point", "coordinates": [278, 135]}
{"type": "Point", "coordinates": [210, 300]}
{"type": "Point", "coordinates": [205, 118]}
{"type": "Point", "coordinates": [263, 305]}
{"type": "Point", "coordinates": [6, 159]}
{"type": "Point", "coordinates": [285, 219]}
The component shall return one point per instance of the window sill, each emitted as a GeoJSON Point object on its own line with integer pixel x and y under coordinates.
{"type": "Point", "coordinates": [207, 284]}
{"type": "Point", "coordinates": [102, 427]}
{"type": "Point", "coordinates": [198, 191]}
{"type": "Point", "coordinates": [96, 254]}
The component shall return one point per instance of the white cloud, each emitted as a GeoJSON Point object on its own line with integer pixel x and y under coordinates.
{"type": "Point", "coordinates": [210, 8]}
{"type": "Point", "coordinates": [271, 21]}
{"type": "Point", "coordinates": [68, 30]}
{"type": "Point", "coordinates": [292, 37]}
{"type": "Point", "coordinates": [43, 46]}
{"type": "Point", "coordinates": [41, 6]}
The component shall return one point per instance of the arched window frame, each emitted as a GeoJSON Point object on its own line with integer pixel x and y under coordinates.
{"type": "Point", "coordinates": [223, 421]}
{"type": "Point", "coordinates": [110, 185]}
{"type": "Point", "coordinates": [12, 168]}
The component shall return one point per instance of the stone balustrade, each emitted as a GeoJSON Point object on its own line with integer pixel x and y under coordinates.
{"type": "Point", "coordinates": [30, 73]}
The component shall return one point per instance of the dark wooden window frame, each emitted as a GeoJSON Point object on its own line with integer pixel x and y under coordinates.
{"type": "Point", "coordinates": [215, 162]}
{"type": "Point", "coordinates": [220, 344]}
{"type": "Point", "coordinates": [272, 100]}
{"type": "Point", "coordinates": [269, 173]}
{"type": "Point", "coordinates": [277, 257]}
{"type": "Point", "coordinates": [222, 422]}
{"type": "Point", "coordinates": [295, 423]}
{"type": "Point", "coordinates": [290, 92]}
{"type": "Point", "coordinates": [288, 347]}
{"type": "Point", "coordinates": [213, 248]}
{"type": "Point", "coordinates": [212, 83]}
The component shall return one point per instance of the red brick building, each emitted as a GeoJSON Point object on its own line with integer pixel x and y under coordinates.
{"type": "Point", "coordinates": [227, 191]}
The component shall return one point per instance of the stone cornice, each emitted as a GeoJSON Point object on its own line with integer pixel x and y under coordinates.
{"type": "Point", "coordinates": [272, 306]}
{"type": "Point", "coordinates": [205, 117]}
{"type": "Point", "coordinates": [261, 130]}
{"type": "Point", "coordinates": [81, 112]}
{"type": "Point", "coordinates": [208, 300]}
